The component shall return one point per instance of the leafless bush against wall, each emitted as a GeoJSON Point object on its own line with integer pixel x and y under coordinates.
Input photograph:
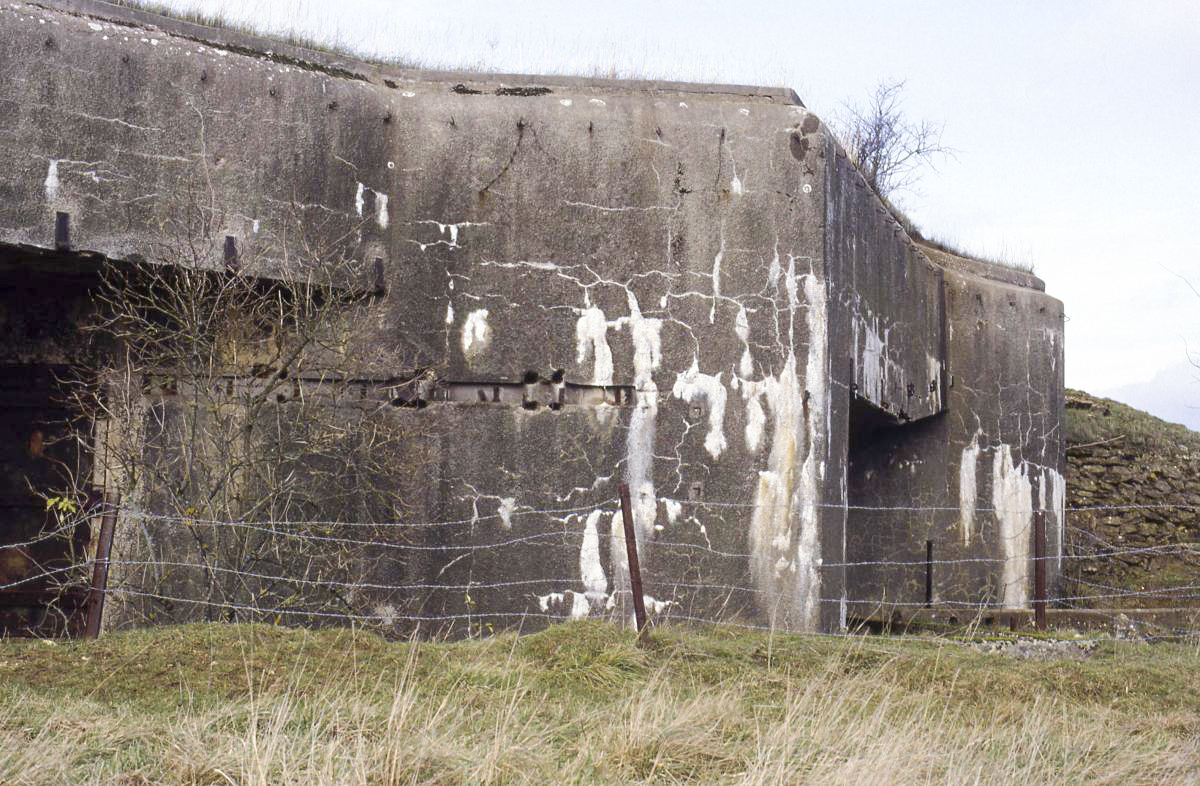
{"type": "Point", "coordinates": [242, 406]}
{"type": "Point", "coordinates": [889, 148]}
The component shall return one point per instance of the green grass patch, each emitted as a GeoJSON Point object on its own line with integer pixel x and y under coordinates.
{"type": "Point", "coordinates": [1091, 419]}
{"type": "Point", "coordinates": [585, 703]}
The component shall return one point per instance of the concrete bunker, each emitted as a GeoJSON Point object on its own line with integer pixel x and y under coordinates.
{"type": "Point", "coordinates": [684, 288]}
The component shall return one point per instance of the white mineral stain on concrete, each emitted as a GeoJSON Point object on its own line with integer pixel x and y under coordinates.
{"type": "Point", "coordinates": [550, 599]}
{"type": "Point", "coordinates": [476, 334]}
{"type": "Point", "coordinates": [784, 534]}
{"type": "Point", "coordinates": [453, 229]}
{"type": "Point", "coordinates": [716, 281]}
{"type": "Point", "coordinates": [654, 605]}
{"type": "Point", "coordinates": [1058, 508]}
{"type": "Point", "coordinates": [673, 508]}
{"type": "Point", "coordinates": [756, 419]}
{"type": "Point", "coordinates": [381, 209]}
{"type": "Point", "coordinates": [580, 608]}
{"type": "Point", "coordinates": [735, 186]}
{"type": "Point", "coordinates": [52, 181]}
{"type": "Point", "coordinates": [591, 339]}
{"type": "Point", "coordinates": [775, 270]}
{"type": "Point", "coordinates": [741, 326]}
{"type": "Point", "coordinates": [812, 471]}
{"type": "Point", "coordinates": [935, 382]}
{"type": "Point", "coordinates": [507, 506]}
{"type": "Point", "coordinates": [692, 386]}
{"type": "Point", "coordinates": [358, 198]}
{"type": "Point", "coordinates": [872, 362]}
{"type": "Point", "coordinates": [771, 518]}
{"type": "Point", "coordinates": [967, 488]}
{"type": "Point", "coordinates": [1012, 501]}
{"type": "Point", "coordinates": [449, 313]}
{"type": "Point", "coordinates": [645, 333]}
{"type": "Point", "coordinates": [591, 571]}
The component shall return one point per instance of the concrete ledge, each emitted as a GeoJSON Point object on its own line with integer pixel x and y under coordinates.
{"type": "Point", "coordinates": [977, 267]}
{"type": "Point", "coordinates": [382, 74]}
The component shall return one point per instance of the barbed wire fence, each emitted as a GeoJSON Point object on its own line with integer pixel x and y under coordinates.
{"type": "Point", "coordinates": [1094, 587]}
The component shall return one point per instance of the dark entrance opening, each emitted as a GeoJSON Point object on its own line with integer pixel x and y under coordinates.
{"type": "Point", "coordinates": [43, 529]}
{"type": "Point", "coordinates": [891, 520]}
{"type": "Point", "coordinates": [45, 459]}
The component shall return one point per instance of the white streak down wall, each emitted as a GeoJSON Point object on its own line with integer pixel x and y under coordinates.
{"type": "Point", "coordinates": [1012, 500]}
{"type": "Point", "coordinates": [1056, 530]}
{"type": "Point", "coordinates": [595, 584]}
{"type": "Point", "coordinates": [784, 527]}
{"type": "Point", "coordinates": [476, 335]}
{"type": "Point", "coordinates": [812, 472]}
{"type": "Point", "coordinates": [639, 446]}
{"type": "Point", "coordinates": [591, 338]}
{"type": "Point", "coordinates": [968, 490]}
{"type": "Point", "coordinates": [691, 386]}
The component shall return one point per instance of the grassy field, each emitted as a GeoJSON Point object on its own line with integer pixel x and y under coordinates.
{"type": "Point", "coordinates": [581, 703]}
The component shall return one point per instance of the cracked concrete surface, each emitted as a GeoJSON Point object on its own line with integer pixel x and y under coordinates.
{"type": "Point", "coordinates": [794, 356]}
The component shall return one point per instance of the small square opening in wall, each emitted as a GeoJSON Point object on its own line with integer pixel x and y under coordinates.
{"type": "Point", "coordinates": [62, 231]}
{"type": "Point", "coordinates": [696, 490]}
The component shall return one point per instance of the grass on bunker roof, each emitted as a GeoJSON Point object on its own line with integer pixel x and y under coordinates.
{"type": "Point", "coordinates": [330, 41]}
{"type": "Point", "coordinates": [581, 703]}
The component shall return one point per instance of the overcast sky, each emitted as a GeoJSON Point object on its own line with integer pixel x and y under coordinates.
{"type": "Point", "coordinates": [1077, 125]}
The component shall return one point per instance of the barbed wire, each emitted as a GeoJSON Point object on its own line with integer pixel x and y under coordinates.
{"type": "Point", "coordinates": [544, 582]}
{"type": "Point", "coordinates": [284, 523]}
{"type": "Point", "coordinates": [542, 590]}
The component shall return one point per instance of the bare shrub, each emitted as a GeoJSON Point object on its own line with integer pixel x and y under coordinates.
{"type": "Point", "coordinates": [245, 411]}
{"type": "Point", "coordinates": [889, 148]}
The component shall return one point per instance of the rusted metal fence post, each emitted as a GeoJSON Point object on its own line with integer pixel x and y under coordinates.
{"type": "Point", "coordinates": [108, 522]}
{"type": "Point", "coordinates": [1039, 569]}
{"type": "Point", "coordinates": [635, 572]}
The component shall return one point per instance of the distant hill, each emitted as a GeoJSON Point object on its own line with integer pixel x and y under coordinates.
{"type": "Point", "coordinates": [1138, 480]}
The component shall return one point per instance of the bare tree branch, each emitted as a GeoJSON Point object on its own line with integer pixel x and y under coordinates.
{"type": "Point", "coordinates": [889, 149]}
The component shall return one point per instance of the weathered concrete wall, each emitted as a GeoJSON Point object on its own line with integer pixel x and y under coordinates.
{"type": "Point", "coordinates": [707, 248]}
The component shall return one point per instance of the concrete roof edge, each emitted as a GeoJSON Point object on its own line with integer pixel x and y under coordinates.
{"type": "Point", "coordinates": [981, 268]}
{"type": "Point", "coordinates": [378, 73]}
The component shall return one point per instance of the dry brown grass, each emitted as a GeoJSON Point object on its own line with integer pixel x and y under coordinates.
{"type": "Point", "coordinates": [255, 706]}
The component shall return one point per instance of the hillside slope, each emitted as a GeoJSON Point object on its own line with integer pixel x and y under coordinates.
{"type": "Point", "coordinates": [1134, 481]}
